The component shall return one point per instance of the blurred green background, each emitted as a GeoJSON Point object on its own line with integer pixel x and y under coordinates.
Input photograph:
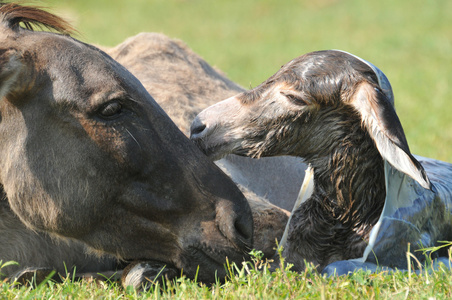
{"type": "Point", "coordinates": [410, 40]}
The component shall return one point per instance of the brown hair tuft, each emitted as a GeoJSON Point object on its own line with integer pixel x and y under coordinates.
{"type": "Point", "coordinates": [32, 16]}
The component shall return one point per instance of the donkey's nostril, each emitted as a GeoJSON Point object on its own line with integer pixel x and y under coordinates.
{"type": "Point", "coordinates": [244, 229]}
{"type": "Point", "coordinates": [197, 127]}
{"type": "Point", "coordinates": [236, 227]}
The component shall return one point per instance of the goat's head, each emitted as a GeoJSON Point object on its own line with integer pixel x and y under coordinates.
{"type": "Point", "coordinates": [306, 109]}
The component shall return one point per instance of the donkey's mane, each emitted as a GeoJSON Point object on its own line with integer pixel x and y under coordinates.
{"type": "Point", "coordinates": [32, 16]}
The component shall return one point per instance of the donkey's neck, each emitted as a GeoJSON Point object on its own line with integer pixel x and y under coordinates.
{"type": "Point", "coordinates": [2, 194]}
{"type": "Point", "coordinates": [349, 182]}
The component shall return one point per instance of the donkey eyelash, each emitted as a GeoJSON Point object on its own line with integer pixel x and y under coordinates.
{"type": "Point", "coordinates": [110, 110]}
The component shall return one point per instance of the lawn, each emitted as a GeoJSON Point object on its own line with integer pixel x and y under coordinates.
{"type": "Point", "coordinates": [410, 40]}
{"type": "Point", "coordinates": [254, 281]}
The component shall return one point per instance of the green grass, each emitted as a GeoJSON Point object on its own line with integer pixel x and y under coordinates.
{"type": "Point", "coordinates": [410, 40]}
{"type": "Point", "coordinates": [254, 281]}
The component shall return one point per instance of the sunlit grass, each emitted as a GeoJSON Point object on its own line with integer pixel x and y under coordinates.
{"type": "Point", "coordinates": [410, 40]}
{"type": "Point", "coordinates": [253, 280]}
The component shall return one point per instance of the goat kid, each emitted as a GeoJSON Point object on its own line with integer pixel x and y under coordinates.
{"type": "Point", "coordinates": [336, 111]}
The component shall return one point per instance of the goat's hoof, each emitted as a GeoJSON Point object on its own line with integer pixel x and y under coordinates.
{"type": "Point", "coordinates": [144, 274]}
{"type": "Point", "coordinates": [34, 276]}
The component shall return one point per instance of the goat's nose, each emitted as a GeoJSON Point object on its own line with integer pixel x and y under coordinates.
{"type": "Point", "coordinates": [197, 128]}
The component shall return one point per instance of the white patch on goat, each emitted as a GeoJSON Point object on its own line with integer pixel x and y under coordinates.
{"type": "Point", "coordinates": [306, 190]}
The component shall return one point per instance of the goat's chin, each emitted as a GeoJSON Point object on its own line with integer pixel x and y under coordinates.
{"type": "Point", "coordinates": [222, 151]}
{"type": "Point", "coordinates": [218, 151]}
{"type": "Point", "coordinates": [216, 155]}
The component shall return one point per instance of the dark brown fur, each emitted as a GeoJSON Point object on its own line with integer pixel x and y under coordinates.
{"type": "Point", "coordinates": [317, 107]}
{"type": "Point", "coordinates": [335, 222]}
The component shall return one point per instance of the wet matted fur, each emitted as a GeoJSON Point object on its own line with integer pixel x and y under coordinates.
{"type": "Point", "coordinates": [331, 109]}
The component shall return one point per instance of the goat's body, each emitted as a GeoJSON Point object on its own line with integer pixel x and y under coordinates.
{"type": "Point", "coordinates": [414, 215]}
{"type": "Point", "coordinates": [335, 111]}
{"type": "Point", "coordinates": [335, 221]}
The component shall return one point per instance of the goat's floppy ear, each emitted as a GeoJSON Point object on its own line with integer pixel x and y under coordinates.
{"type": "Point", "coordinates": [10, 67]}
{"type": "Point", "coordinates": [383, 125]}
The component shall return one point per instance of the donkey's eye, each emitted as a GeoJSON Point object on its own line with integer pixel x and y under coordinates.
{"type": "Point", "coordinates": [110, 110]}
{"type": "Point", "coordinates": [295, 99]}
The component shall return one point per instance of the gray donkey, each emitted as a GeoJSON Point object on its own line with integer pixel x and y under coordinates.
{"type": "Point", "coordinates": [93, 171]}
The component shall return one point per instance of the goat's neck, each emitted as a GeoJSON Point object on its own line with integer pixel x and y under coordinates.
{"type": "Point", "coordinates": [349, 181]}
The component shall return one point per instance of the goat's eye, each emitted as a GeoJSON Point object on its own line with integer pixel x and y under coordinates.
{"type": "Point", "coordinates": [295, 99]}
{"type": "Point", "coordinates": [110, 110]}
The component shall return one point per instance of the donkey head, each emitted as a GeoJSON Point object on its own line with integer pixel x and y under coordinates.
{"type": "Point", "coordinates": [87, 153]}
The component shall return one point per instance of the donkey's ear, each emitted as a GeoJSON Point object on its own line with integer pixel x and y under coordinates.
{"type": "Point", "coordinates": [10, 67]}
{"type": "Point", "coordinates": [383, 124]}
